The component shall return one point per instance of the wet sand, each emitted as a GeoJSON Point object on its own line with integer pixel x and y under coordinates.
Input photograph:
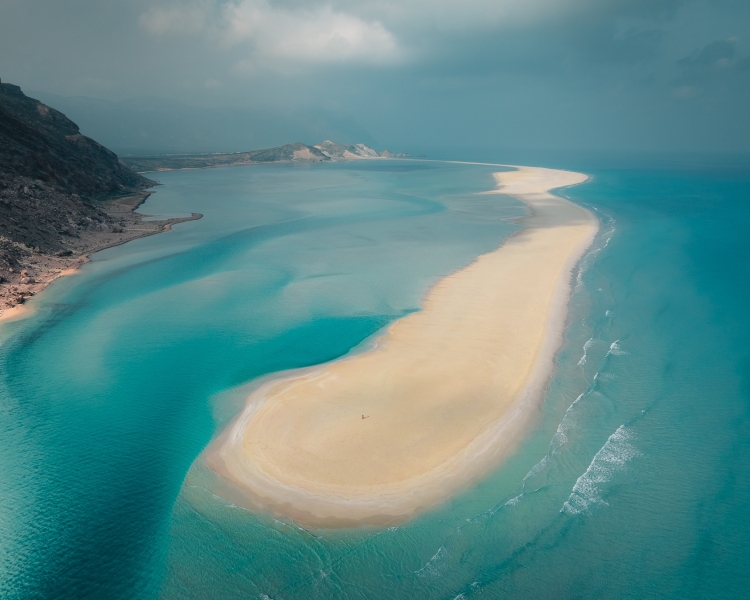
{"type": "Point", "coordinates": [446, 393]}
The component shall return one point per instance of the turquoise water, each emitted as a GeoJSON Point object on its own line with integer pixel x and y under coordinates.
{"type": "Point", "coordinates": [635, 482]}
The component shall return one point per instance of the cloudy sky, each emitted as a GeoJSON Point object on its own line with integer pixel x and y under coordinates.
{"type": "Point", "coordinates": [557, 74]}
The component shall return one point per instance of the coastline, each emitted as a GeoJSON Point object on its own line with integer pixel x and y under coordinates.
{"type": "Point", "coordinates": [42, 269]}
{"type": "Point", "coordinates": [444, 395]}
{"type": "Point", "coordinates": [19, 311]}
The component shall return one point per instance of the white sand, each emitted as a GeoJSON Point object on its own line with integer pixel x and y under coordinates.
{"type": "Point", "coordinates": [447, 391]}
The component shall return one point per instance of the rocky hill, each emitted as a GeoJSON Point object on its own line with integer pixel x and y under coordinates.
{"type": "Point", "coordinates": [346, 152]}
{"type": "Point", "coordinates": [62, 195]}
{"type": "Point", "coordinates": [298, 152]}
{"type": "Point", "coordinates": [40, 143]}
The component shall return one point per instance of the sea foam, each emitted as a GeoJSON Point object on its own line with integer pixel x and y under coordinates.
{"type": "Point", "coordinates": [586, 347]}
{"type": "Point", "coordinates": [611, 458]}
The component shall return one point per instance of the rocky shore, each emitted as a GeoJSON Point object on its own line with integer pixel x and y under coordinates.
{"type": "Point", "coordinates": [63, 196]}
{"type": "Point", "coordinates": [26, 268]}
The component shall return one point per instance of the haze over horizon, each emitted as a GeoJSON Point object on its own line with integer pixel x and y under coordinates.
{"type": "Point", "coordinates": [658, 75]}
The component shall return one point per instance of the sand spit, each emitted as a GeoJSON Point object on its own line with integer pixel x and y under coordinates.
{"type": "Point", "coordinates": [446, 393]}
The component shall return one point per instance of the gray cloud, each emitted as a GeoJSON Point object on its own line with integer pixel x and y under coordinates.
{"type": "Point", "coordinates": [716, 67]}
{"type": "Point", "coordinates": [417, 73]}
{"type": "Point", "coordinates": [716, 55]}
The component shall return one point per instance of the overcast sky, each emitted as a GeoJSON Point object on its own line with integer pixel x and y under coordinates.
{"type": "Point", "coordinates": [581, 74]}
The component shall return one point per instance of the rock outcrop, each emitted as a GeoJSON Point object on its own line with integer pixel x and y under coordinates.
{"type": "Point", "coordinates": [346, 152]}
{"type": "Point", "coordinates": [62, 196]}
{"type": "Point", "coordinates": [298, 152]}
{"type": "Point", "coordinates": [42, 144]}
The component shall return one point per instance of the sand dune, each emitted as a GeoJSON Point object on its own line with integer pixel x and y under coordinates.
{"type": "Point", "coordinates": [447, 392]}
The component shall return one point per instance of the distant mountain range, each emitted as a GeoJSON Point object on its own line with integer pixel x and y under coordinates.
{"type": "Point", "coordinates": [147, 126]}
{"type": "Point", "coordinates": [341, 152]}
{"type": "Point", "coordinates": [326, 151]}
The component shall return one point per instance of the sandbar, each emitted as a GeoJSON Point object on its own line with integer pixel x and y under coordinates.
{"type": "Point", "coordinates": [446, 392]}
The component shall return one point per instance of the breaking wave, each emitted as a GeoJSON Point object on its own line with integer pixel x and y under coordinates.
{"type": "Point", "coordinates": [611, 458]}
{"type": "Point", "coordinates": [432, 567]}
{"type": "Point", "coordinates": [585, 263]}
{"type": "Point", "coordinates": [586, 347]}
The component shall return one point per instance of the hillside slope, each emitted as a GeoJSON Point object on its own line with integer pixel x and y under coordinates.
{"type": "Point", "coordinates": [297, 152]}
{"type": "Point", "coordinates": [327, 151]}
{"type": "Point", "coordinates": [39, 142]}
{"type": "Point", "coordinates": [62, 195]}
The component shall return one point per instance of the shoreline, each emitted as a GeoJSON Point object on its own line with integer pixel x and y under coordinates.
{"type": "Point", "coordinates": [445, 393]}
{"type": "Point", "coordinates": [43, 269]}
{"type": "Point", "coordinates": [275, 162]}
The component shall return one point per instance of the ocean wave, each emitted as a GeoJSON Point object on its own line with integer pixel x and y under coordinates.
{"type": "Point", "coordinates": [432, 568]}
{"type": "Point", "coordinates": [535, 470]}
{"type": "Point", "coordinates": [611, 458]}
{"type": "Point", "coordinates": [585, 263]}
{"type": "Point", "coordinates": [513, 501]}
{"type": "Point", "coordinates": [567, 423]}
{"type": "Point", "coordinates": [579, 278]}
{"type": "Point", "coordinates": [560, 438]}
{"type": "Point", "coordinates": [474, 586]}
{"type": "Point", "coordinates": [586, 347]}
{"type": "Point", "coordinates": [615, 350]}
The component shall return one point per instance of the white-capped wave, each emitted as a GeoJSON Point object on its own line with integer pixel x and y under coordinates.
{"type": "Point", "coordinates": [560, 438]}
{"type": "Point", "coordinates": [586, 347]}
{"type": "Point", "coordinates": [515, 500]}
{"type": "Point", "coordinates": [611, 458]}
{"type": "Point", "coordinates": [463, 596]}
{"type": "Point", "coordinates": [536, 469]}
{"type": "Point", "coordinates": [591, 255]}
{"type": "Point", "coordinates": [607, 237]}
{"type": "Point", "coordinates": [615, 349]}
{"type": "Point", "coordinates": [432, 566]}
{"type": "Point", "coordinates": [567, 423]}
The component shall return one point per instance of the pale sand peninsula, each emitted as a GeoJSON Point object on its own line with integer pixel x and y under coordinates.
{"type": "Point", "coordinates": [447, 392]}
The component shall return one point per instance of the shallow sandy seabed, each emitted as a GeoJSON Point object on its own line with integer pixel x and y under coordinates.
{"type": "Point", "coordinates": [447, 392]}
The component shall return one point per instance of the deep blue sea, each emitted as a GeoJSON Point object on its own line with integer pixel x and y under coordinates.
{"type": "Point", "coordinates": [634, 483]}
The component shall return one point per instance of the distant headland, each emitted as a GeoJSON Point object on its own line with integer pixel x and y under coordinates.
{"type": "Point", "coordinates": [326, 151]}
{"type": "Point", "coordinates": [64, 196]}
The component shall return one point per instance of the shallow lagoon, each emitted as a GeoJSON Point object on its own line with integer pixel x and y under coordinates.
{"type": "Point", "coordinates": [635, 483]}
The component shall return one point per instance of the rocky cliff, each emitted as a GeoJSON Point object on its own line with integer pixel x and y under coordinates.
{"type": "Point", "coordinates": [62, 195]}
{"type": "Point", "coordinates": [40, 143]}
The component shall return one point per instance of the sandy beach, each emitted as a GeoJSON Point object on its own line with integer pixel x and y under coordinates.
{"type": "Point", "coordinates": [445, 393]}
